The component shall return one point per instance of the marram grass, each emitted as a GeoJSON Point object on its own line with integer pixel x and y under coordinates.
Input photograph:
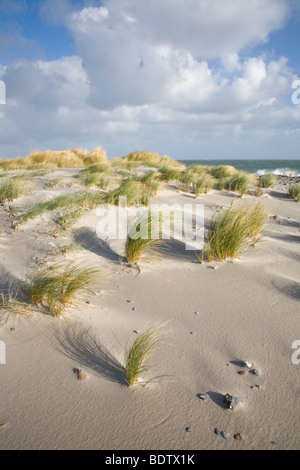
{"type": "Point", "coordinates": [203, 185]}
{"type": "Point", "coordinates": [138, 355]}
{"type": "Point", "coordinates": [70, 202]}
{"type": "Point", "coordinates": [294, 191]}
{"type": "Point", "coordinates": [10, 304]}
{"type": "Point", "coordinates": [13, 188]}
{"type": "Point", "coordinates": [138, 190]}
{"type": "Point", "coordinates": [143, 237]}
{"type": "Point", "coordinates": [95, 175]}
{"type": "Point", "coordinates": [231, 231]}
{"type": "Point", "coordinates": [51, 159]}
{"type": "Point", "coordinates": [57, 287]}
{"type": "Point", "coordinates": [267, 181]}
{"type": "Point", "coordinates": [221, 172]}
{"type": "Point", "coordinates": [240, 181]}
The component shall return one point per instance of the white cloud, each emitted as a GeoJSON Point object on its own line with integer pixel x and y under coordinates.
{"type": "Point", "coordinates": [171, 39]}
{"type": "Point", "coordinates": [87, 17]}
{"type": "Point", "coordinates": [167, 76]}
{"type": "Point", "coordinates": [204, 28]}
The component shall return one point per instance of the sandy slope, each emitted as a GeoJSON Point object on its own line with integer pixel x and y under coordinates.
{"type": "Point", "coordinates": [247, 310]}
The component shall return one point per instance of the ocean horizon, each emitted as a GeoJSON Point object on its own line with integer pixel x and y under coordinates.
{"type": "Point", "coordinates": [259, 167]}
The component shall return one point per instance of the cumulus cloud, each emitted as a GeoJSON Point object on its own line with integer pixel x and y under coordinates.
{"type": "Point", "coordinates": [169, 39]}
{"type": "Point", "coordinates": [169, 76]}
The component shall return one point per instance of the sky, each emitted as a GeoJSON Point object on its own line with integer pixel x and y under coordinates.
{"type": "Point", "coordinates": [191, 79]}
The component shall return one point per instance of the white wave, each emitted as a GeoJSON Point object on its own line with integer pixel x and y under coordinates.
{"type": "Point", "coordinates": [279, 172]}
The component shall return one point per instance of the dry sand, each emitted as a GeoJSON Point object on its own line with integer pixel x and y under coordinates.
{"type": "Point", "coordinates": [247, 310]}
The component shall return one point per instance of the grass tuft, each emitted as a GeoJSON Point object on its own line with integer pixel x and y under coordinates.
{"type": "Point", "coordinates": [11, 304]}
{"type": "Point", "coordinates": [267, 181]}
{"type": "Point", "coordinates": [294, 191]}
{"type": "Point", "coordinates": [57, 287]}
{"type": "Point", "coordinates": [241, 182]}
{"type": "Point", "coordinates": [138, 356]}
{"type": "Point", "coordinates": [231, 231]}
{"type": "Point", "coordinates": [143, 237]}
{"type": "Point", "coordinates": [13, 188]}
{"type": "Point", "coordinates": [74, 202]}
{"type": "Point", "coordinates": [68, 158]}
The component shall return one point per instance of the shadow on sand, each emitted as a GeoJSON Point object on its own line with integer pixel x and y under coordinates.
{"type": "Point", "coordinates": [176, 250]}
{"type": "Point", "coordinates": [278, 195]}
{"type": "Point", "coordinates": [89, 240]}
{"type": "Point", "coordinates": [217, 398]}
{"type": "Point", "coordinates": [85, 349]}
{"type": "Point", "coordinates": [10, 285]}
{"type": "Point", "coordinates": [291, 290]}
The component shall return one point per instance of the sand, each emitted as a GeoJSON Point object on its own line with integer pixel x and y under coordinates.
{"type": "Point", "coordinates": [247, 310]}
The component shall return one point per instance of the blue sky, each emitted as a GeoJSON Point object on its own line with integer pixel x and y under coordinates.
{"type": "Point", "coordinates": [190, 79]}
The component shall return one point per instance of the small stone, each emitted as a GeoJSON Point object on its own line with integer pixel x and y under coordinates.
{"type": "Point", "coordinates": [88, 302]}
{"type": "Point", "coordinates": [213, 267]}
{"type": "Point", "coordinates": [224, 435]}
{"type": "Point", "coordinates": [247, 364]}
{"type": "Point", "coordinates": [241, 372]}
{"type": "Point", "coordinates": [230, 401]}
{"type": "Point", "coordinates": [129, 301]}
{"type": "Point", "coordinates": [197, 313]}
{"type": "Point", "coordinates": [255, 372]}
{"type": "Point", "coordinates": [12, 329]}
{"type": "Point", "coordinates": [133, 309]}
{"type": "Point", "coordinates": [136, 332]}
{"type": "Point", "coordinates": [238, 437]}
{"type": "Point", "coordinates": [188, 429]}
{"type": "Point", "coordinates": [203, 396]}
{"type": "Point", "coordinates": [217, 432]}
{"type": "Point", "coordinates": [81, 374]}
{"type": "Point", "coordinates": [255, 387]}
{"type": "Point", "coordinates": [3, 426]}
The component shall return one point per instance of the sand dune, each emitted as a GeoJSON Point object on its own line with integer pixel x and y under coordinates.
{"type": "Point", "coordinates": [247, 310]}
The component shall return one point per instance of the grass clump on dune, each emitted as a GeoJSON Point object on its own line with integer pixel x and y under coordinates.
{"type": "Point", "coordinates": [170, 173]}
{"type": "Point", "coordinates": [240, 182]}
{"type": "Point", "coordinates": [202, 185]}
{"type": "Point", "coordinates": [152, 159]}
{"type": "Point", "coordinates": [123, 164]}
{"type": "Point", "coordinates": [68, 158]}
{"type": "Point", "coordinates": [144, 156]}
{"type": "Point", "coordinates": [143, 237]}
{"type": "Point", "coordinates": [150, 185]}
{"type": "Point", "coordinates": [136, 190]}
{"type": "Point", "coordinates": [138, 355]}
{"type": "Point", "coordinates": [95, 175]}
{"type": "Point", "coordinates": [54, 182]}
{"type": "Point", "coordinates": [267, 181]}
{"type": "Point", "coordinates": [294, 191]}
{"type": "Point", "coordinates": [57, 287]}
{"type": "Point", "coordinates": [74, 201]}
{"type": "Point", "coordinates": [13, 188]}
{"type": "Point", "coordinates": [221, 172]}
{"type": "Point", "coordinates": [10, 304]}
{"type": "Point", "coordinates": [231, 231]}
{"type": "Point", "coordinates": [69, 217]}
{"type": "Point", "coordinates": [196, 179]}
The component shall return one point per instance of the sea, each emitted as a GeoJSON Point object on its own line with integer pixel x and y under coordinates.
{"type": "Point", "coordinates": [258, 167]}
